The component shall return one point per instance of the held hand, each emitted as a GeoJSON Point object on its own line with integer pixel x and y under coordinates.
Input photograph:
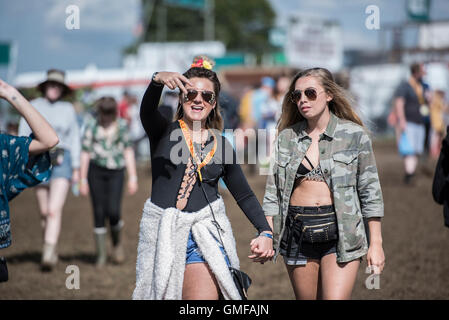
{"type": "Point", "coordinates": [262, 249]}
{"type": "Point", "coordinates": [172, 80]}
{"type": "Point", "coordinates": [376, 258]}
{"type": "Point", "coordinates": [132, 187]}
{"type": "Point", "coordinates": [75, 176]}
{"type": "Point", "coordinates": [84, 187]}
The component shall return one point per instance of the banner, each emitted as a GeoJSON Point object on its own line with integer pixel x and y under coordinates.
{"type": "Point", "coordinates": [314, 42]}
{"type": "Point", "coordinates": [4, 53]}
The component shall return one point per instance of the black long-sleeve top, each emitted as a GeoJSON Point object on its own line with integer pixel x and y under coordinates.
{"type": "Point", "coordinates": [168, 175]}
{"type": "Point", "coordinates": [440, 187]}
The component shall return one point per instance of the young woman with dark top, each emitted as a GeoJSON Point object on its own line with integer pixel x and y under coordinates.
{"type": "Point", "coordinates": [106, 152]}
{"type": "Point", "coordinates": [180, 255]}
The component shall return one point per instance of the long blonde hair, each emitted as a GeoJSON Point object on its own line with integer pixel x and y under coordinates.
{"type": "Point", "coordinates": [340, 104]}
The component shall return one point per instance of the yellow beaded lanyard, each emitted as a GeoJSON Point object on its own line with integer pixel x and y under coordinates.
{"type": "Point", "coordinates": [188, 140]}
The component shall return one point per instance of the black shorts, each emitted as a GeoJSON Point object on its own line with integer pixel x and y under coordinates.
{"type": "Point", "coordinates": [296, 253]}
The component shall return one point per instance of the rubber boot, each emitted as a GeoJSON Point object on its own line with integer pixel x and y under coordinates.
{"type": "Point", "coordinates": [100, 243]}
{"type": "Point", "coordinates": [49, 257]}
{"type": "Point", "coordinates": [118, 254]}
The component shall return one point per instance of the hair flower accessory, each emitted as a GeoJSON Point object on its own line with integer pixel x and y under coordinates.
{"type": "Point", "coordinates": [207, 65]}
{"type": "Point", "coordinates": [202, 62]}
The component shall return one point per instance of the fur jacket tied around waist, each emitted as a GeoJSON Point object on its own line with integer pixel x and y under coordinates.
{"type": "Point", "coordinates": [161, 251]}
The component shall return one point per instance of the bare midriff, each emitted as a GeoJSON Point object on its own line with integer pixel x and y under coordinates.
{"type": "Point", "coordinates": [308, 193]}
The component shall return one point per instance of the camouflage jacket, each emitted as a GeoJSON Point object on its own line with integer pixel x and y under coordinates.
{"type": "Point", "coordinates": [348, 164]}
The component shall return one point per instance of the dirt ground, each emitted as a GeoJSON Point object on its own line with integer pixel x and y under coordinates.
{"type": "Point", "coordinates": [414, 237]}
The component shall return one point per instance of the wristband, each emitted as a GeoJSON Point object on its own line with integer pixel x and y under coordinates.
{"type": "Point", "coordinates": [132, 178]}
{"type": "Point", "coordinates": [266, 235]}
{"type": "Point", "coordinates": [83, 181]}
{"type": "Point", "coordinates": [154, 81]}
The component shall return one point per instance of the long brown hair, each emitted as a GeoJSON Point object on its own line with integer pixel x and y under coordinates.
{"type": "Point", "coordinates": [214, 119]}
{"type": "Point", "coordinates": [340, 104]}
{"type": "Point", "coordinates": [107, 110]}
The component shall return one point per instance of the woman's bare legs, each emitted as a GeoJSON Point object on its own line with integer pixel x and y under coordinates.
{"type": "Point", "coordinates": [42, 200]}
{"type": "Point", "coordinates": [338, 279]}
{"type": "Point", "coordinates": [323, 279]}
{"type": "Point", "coordinates": [51, 202]}
{"type": "Point", "coordinates": [57, 196]}
{"type": "Point", "coordinates": [305, 280]}
{"type": "Point", "coordinates": [199, 283]}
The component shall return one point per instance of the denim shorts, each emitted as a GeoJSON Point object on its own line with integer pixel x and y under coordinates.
{"type": "Point", "coordinates": [193, 253]}
{"type": "Point", "coordinates": [64, 170]}
{"type": "Point", "coordinates": [299, 254]}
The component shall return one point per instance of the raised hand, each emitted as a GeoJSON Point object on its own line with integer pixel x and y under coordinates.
{"type": "Point", "coordinates": [172, 80]}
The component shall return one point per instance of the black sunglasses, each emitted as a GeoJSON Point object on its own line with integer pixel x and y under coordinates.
{"type": "Point", "coordinates": [208, 96]}
{"type": "Point", "coordinates": [310, 93]}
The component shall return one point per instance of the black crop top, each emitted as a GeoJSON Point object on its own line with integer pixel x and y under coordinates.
{"type": "Point", "coordinates": [302, 170]}
{"type": "Point", "coordinates": [306, 174]}
{"type": "Point", "coordinates": [168, 176]}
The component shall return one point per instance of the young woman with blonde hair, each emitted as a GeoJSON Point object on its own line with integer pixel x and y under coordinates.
{"type": "Point", "coordinates": [323, 186]}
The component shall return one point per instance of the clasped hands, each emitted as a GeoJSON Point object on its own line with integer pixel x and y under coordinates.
{"type": "Point", "coordinates": [261, 249]}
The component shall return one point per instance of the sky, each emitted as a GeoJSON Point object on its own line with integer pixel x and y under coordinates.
{"type": "Point", "coordinates": [38, 27]}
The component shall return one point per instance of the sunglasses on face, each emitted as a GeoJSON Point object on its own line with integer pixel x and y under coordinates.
{"type": "Point", "coordinates": [208, 96]}
{"type": "Point", "coordinates": [310, 93]}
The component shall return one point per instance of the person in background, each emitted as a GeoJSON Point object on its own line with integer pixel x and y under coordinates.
{"type": "Point", "coordinates": [51, 196]}
{"type": "Point", "coordinates": [168, 105]}
{"type": "Point", "coordinates": [271, 112]}
{"type": "Point", "coordinates": [136, 132]}
{"type": "Point", "coordinates": [440, 186]}
{"type": "Point", "coordinates": [106, 152]}
{"type": "Point", "coordinates": [229, 107]}
{"type": "Point", "coordinates": [409, 106]}
{"type": "Point", "coordinates": [245, 108]}
{"type": "Point", "coordinates": [24, 161]}
{"type": "Point", "coordinates": [246, 135]}
{"type": "Point", "coordinates": [282, 84]}
{"type": "Point", "coordinates": [261, 111]}
{"type": "Point", "coordinates": [437, 108]}
{"type": "Point", "coordinates": [254, 106]}
{"type": "Point", "coordinates": [124, 106]}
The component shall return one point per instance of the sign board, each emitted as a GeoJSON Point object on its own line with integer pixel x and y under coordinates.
{"type": "Point", "coordinates": [173, 56]}
{"type": "Point", "coordinates": [278, 37]}
{"type": "Point", "coordinates": [434, 35]}
{"type": "Point", "coordinates": [373, 88]}
{"type": "Point", "coordinates": [418, 10]}
{"type": "Point", "coordinates": [192, 4]}
{"type": "Point", "coordinates": [4, 53]}
{"type": "Point", "coordinates": [314, 43]}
